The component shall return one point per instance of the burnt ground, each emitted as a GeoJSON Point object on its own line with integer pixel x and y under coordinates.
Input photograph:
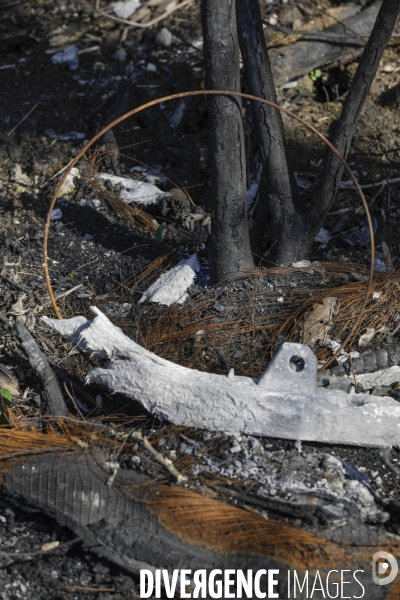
{"type": "Point", "coordinates": [107, 257]}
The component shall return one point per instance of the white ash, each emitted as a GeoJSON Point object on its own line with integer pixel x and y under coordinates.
{"type": "Point", "coordinates": [368, 381]}
{"type": "Point", "coordinates": [379, 265]}
{"type": "Point", "coordinates": [164, 37]}
{"type": "Point", "coordinates": [301, 263]}
{"type": "Point", "coordinates": [18, 176]}
{"type": "Point", "coordinates": [334, 345]}
{"type": "Point", "coordinates": [297, 478]}
{"type": "Point", "coordinates": [75, 136]}
{"type": "Point", "coordinates": [56, 214]}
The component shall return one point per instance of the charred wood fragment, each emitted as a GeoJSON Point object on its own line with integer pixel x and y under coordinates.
{"type": "Point", "coordinates": [52, 399]}
{"type": "Point", "coordinates": [372, 360]}
{"type": "Point", "coordinates": [63, 376]}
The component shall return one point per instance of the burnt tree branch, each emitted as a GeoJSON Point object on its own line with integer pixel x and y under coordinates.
{"type": "Point", "coordinates": [280, 185]}
{"type": "Point", "coordinates": [347, 123]}
{"type": "Point", "coordinates": [230, 253]}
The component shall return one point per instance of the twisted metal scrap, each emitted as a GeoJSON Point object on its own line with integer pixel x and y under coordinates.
{"type": "Point", "coordinates": [214, 93]}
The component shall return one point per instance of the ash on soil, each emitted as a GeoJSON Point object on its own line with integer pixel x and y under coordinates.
{"type": "Point", "coordinates": [108, 258]}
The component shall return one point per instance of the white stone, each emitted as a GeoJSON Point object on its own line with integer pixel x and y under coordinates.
{"type": "Point", "coordinates": [164, 37]}
{"type": "Point", "coordinates": [124, 10]}
{"type": "Point", "coordinates": [56, 214]}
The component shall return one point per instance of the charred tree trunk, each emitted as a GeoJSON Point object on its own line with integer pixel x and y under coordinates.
{"type": "Point", "coordinates": [280, 184]}
{"type": "Point", "coordinates": [347, 123]}
{"type": "Point", "coordinates": [230, 253]}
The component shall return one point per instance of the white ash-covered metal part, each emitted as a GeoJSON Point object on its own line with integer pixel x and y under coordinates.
{"type": "Point", "coordinates": [284, 403]}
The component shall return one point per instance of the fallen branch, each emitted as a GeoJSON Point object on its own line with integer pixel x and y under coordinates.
{"type": "Point", "coordinates": [53, 401]}
{"type": "Point", "coordinates": [350, 185]}
{"type": "Point", "coordinates": [14, 284]}
{"type": "Point", "coordinates": [137, 435]}
{"type": "Point", "coordinates": [22, 120]}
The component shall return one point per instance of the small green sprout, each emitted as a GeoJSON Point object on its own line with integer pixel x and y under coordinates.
{"type": "Point", "coordinates": [316, 74]}
{"type": "Point", "coordinates": [374, 172]}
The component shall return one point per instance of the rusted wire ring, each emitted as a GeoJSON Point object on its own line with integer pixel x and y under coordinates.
{"type": "Point", "coordinates": [220, 93]}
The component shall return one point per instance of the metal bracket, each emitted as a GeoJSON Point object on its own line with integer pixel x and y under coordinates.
{"type": "Point", "coordinates": [284, 403]}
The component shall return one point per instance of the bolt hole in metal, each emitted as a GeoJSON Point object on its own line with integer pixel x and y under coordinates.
{"type": "Point", "coordinates": [357, 401]}
{"type": "Point", "coordinates": [296, 363]}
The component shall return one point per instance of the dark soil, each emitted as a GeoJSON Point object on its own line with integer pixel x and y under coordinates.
{"type": "Point", "coordinates": [108, 259]}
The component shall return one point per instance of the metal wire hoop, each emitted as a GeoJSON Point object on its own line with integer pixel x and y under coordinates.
{"type": "Point", "coordinates": [216, 93]}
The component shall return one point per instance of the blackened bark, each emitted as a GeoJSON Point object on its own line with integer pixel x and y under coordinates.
{"type": "Point", "coordinates": [347, 123]}
{"type": "Point", "coordinates": [259, 221]}
{"type": "Point", "coordinates": [230, 253]}
{"type": "Point", "coordinates": [280, 185]}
